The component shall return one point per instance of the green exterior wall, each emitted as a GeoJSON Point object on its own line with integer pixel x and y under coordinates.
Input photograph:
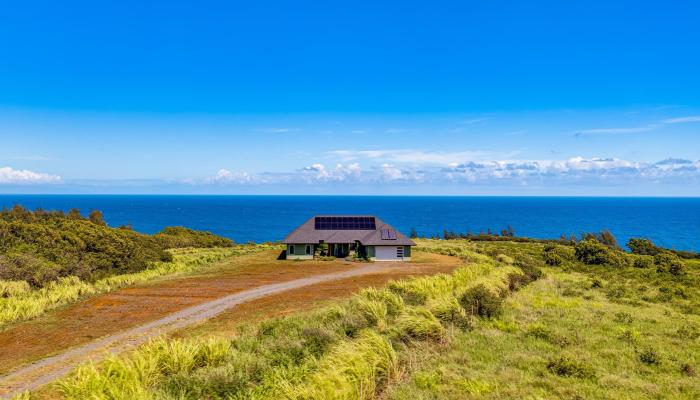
{"type": "Point", "coordinates": [370, 251]}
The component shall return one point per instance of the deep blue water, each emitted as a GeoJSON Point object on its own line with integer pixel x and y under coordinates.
{"type": "Point", "coordinates": [669, 222]}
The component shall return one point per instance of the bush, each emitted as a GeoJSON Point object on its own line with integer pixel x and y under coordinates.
{"type": "Point", "coordinates": [649, 356]}
{"type": "Point", "coordinates": [482, 302]}
{"type": "Point", "coordinates": [642, 247]}
{"type": "Point", "coordinates": [669, 263]}
{"type": "Point", "coordinates": [643, 262]}
{"type": "Point", "coordinates": [592, 252]}
{"type": "Point", "coordinates": [530, 271]}
{"type": "Point", "coordinates": [565, 366]}
{"type": "Point", "coordinates": [687, 369]}
{"type": "Point", "coordinates": [317, 340]}
{"type": "Point", "coordinates": [516, 281]}
{"type": "Point", "coordinates": [552, 259]}
{"type": "Point", "coordinates": [608, 239]}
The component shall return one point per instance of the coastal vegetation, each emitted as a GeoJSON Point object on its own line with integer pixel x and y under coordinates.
{"type": "Point", "coordinates": [50, 258]}
{"type": "Point", "coordinates": [39, 246]}
{"type": "Point", "coordinates": [522, 320]}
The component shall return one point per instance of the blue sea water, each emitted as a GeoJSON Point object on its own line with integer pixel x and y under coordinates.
{"type": "Point", "coordinates": [669, 222]}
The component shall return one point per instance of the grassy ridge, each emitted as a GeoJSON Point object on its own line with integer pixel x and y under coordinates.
{"type": "Point", "coordinates": [351, 350]}
{"type": "Point", "coordinates": [19, 301]}
{"type": "Point", "coordinates": [584, 331]}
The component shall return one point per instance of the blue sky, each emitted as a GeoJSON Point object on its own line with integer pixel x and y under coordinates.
{"type": "Point", "coordinates": [538, 98]}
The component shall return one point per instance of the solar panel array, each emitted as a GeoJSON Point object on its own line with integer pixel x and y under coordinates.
{"type": "Point", "coordinates": [388, 234]}
{"type": "Point", "coordinates": [345, 223]}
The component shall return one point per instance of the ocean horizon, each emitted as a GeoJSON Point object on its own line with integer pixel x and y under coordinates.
{"type": "Point", "coordinates": [670, 222]}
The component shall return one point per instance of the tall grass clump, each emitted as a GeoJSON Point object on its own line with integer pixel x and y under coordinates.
{"type": "Point", "coordinates": [352, 370]}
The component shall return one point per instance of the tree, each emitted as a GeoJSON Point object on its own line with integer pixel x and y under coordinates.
{"type": "Point", "coordinates": [643, 247]}
{"type": "Point", "coordinates": [74, 213]}
{"type": "Point", "coordinates": [97, 218]}
{"type": "Point", "coordinates": [414, 233]}
{"type": "Point", "coordinates": [607, 238]}
{"type": "Point", "coordinates": [590, 251]}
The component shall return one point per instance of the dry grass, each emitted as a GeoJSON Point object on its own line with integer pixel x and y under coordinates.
{"type": "Point", "coordinates": [108, 313]}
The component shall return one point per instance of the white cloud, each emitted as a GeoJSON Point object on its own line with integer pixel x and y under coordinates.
{"type": "Point", "coordinates": [692, 118]}
{"type": "Point", "coordinates": [224, 176]}
{"type": "Point", "coordinates": [571, 171]}
{"type": "Point", "coordinates": [340, 173]}
{"type": "Point", "coordinates": [391, 173]}
{"type": "Point", "coordinates": [9, 175]}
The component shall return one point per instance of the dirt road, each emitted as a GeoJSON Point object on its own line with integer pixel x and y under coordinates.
{"type": "Point", "coordinates": [49, 369]}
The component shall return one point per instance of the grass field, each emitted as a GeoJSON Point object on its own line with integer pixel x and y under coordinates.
{"type": "Point", "coordinates": [19, 301]}
{"type": "Point", "coordinates": [580, 332]}
{"type": "Point", "coordinates": [488, 330]}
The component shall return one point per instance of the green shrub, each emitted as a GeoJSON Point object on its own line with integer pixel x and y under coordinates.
{"type": "Point", "coordinates": [568, 367]}
{"type": "Point", "coordinates": [552, 259]}
{"type": "Point", "coordinates": [624, 317]}
{"type": "Point", "coordinates": [482, 302]}
{"type": "Point", "coordinates": [642, 247]}
{"type": "Point", "coordinates": [687, 369]}
{"type": "Point", "coordinates": [669, 263]}
{"type": "Point", "coordinates": [643, 262]}
{"type": "Point", "coordinates": [516, 281]}
{"type": "Point", "coordinates": [591, 252]}
{"type": "Point", "coordinates": [317, 340]}
{"type": "Point", "coordinates": [447, 309]}
{"type": "Point", "coordinates": [649, 356]}
{"type": "Point", "coordinates": [531, 271]}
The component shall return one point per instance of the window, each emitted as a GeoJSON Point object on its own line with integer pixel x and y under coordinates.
{"type": "Point", "coordinates": [399, 252]}
{"type": "Point", "coordinates": [291, 249]}
{"type": "Point", "coordinates": [308, 249]}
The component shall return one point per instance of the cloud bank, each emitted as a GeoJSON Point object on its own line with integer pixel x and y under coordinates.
{"type": "Point", "coordinates": [9, 175]}
{"type": "Point", "coordinates": [572, 171]}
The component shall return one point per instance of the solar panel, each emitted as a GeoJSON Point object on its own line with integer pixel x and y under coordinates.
{"type": "Point", "coordinates": [344, 223]}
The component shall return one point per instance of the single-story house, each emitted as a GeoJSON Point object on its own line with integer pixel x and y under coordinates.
{"type": "Point", "coordinates": [344, 235]}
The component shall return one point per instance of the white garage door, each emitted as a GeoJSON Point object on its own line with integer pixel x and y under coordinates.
{"type": "Point", "coordinates": [393, 253]}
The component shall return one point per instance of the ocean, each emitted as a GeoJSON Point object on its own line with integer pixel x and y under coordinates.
{"type": "Point", "coordinates": [669, 222]}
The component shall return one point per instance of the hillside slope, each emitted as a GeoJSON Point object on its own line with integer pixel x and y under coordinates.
{"type": "Point", "coordinates": [42, 246]}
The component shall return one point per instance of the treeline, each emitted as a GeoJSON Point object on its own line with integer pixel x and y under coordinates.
{"type": "Point", "coordinates": [605, 237]}
{"type": "Point", "coordinates": [41, 246]}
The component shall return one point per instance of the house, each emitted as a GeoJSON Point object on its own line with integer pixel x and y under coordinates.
{"type": "Point", "coordinates": [345, 235]}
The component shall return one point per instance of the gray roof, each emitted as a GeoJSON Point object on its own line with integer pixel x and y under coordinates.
{"type": "Point", "coordinates": [307, 233]}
